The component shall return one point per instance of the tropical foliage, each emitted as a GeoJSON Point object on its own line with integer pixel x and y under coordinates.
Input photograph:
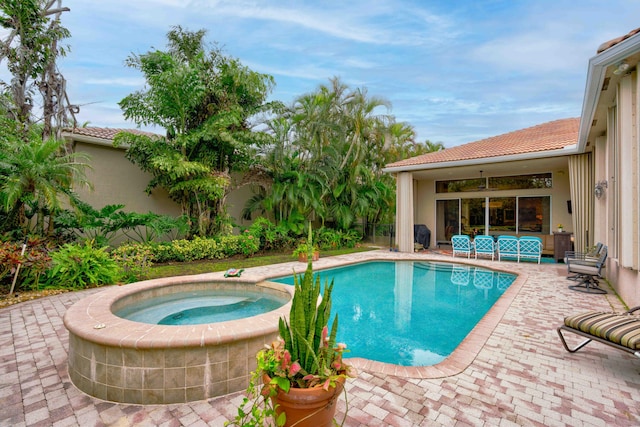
{"type": "Point", "coordinates": [79, 266]}
{"type": "Point", "coordinates": [105, 224]}
{"type": "Point", "coordinates": [35, 177]}
{"type": "Point", "coordinates": [326, 159]}
{"type": "Point", "coordinates": [204, 99]}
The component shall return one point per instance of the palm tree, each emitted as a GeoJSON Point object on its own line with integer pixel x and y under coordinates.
{"type": "Point", "coordinates": [36, 176]}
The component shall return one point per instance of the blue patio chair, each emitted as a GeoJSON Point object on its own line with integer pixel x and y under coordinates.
{"type": "Point", "coordinates": [507, 247]}
{"type": "Point", "coordinates": [484, 245]}
{"type": "Point", "coordinates": [530, 247]}
{"type": "Point", "coordinates": [461, 244]}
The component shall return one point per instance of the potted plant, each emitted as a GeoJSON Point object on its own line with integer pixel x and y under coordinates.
{"type": "Point", "coordinates": [300, 376]}
{"type": "Point", "coordinates": [305, 248]}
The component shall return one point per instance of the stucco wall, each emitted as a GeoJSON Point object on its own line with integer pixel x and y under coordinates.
{"type": "Point", "coordinates": [118, 181]}
{"type": "Point", "coordinates": [625, 281]}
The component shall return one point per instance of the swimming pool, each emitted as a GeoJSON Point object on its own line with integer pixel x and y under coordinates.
{"type": "Point", "coordinates": [410, 313]}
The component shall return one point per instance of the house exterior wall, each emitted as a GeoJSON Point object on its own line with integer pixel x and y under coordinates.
{"type": "Point", "coordinates": [617, 159]}
{"type": "Point", "coordinates": [426, 197]}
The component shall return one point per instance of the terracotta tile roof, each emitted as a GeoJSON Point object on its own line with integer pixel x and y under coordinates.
{"type": "Point", "coordinates": [549, 136]}
{"type": "Point", "coordinates": [606, 45]}
{"type": "Point", "coordinates": [105, 133]}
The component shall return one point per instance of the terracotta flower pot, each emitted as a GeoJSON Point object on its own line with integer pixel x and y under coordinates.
{"type": "Point", "coordinates": [303, 257]}
{"type": "Point", "coordinates": [308, 407]}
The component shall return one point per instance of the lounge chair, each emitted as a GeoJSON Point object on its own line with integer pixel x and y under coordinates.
{"type": "Point", "coordinates": [461, 244]}
{"type": "Point", "coordinates": [618, 330]}
{"type": "Point", "coordinates": [507, 247]}
{"type": "Point", "coordinates": [588, 273]}
{"type": "Point", "coordinates": [484, 245]}
{"type": "Point", "coordinates": [530, 247]}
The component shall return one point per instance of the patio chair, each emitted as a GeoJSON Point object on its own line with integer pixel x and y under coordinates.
{"type": "Point", "coordinates": [530, 247]}
{"type": "Point", "coordinates": [484, 245]}
{"type": "Point", "coordinates": [507, 247]}
{"type": "Point", "coordinates": [588, 274]}
{"type": "Point", "coordinates": [461, 244]}
{"type": "Point", "coordinates": [589, 258]}
{"type": "Point", "coordinates": [618, 330]}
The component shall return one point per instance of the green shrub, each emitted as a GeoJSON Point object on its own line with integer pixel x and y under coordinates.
{"type": "Point", "coordinates": [134, 260]}
{"type": "Point", "coordinates": [328, 238]}
{"type": "Point", "coordinates": [79, 266]}
{"type": "Point", "coordinates": [271, 237]}
{"type": "Point", "coordinates": [248, 244]}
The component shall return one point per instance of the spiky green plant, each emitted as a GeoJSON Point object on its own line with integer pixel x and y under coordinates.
{"type": "Point", "coordinates": [303, 334]}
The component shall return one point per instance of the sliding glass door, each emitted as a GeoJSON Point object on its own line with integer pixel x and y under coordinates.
{"type": "Point", "coordinates": [492, 216]}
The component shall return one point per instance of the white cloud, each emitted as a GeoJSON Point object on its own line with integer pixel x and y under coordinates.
{"type": "Point", "coordinates": [117, 81]}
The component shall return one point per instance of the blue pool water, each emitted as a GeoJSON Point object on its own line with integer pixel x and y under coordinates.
{"type": "Point", "coordinates": [199, 307]}
{"type": "Point", "coordinates": [409, 313]}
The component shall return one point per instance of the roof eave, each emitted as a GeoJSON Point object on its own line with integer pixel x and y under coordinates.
{"type": "Point", "coordinates": [566, 151]}
{"type": "Point", "coordinates": [595, 78]}
{"type": "Point", "coordinates": [105, 142]}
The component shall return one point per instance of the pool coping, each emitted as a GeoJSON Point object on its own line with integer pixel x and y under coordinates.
{"type": "Point", "coordinates": [92, 318]}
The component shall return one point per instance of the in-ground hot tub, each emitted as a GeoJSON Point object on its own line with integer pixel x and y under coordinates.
{"type": "Point", "coordinates": [120, 360]}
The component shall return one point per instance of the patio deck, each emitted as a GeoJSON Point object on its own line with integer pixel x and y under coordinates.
{"type": "Point", "coordinates": [517, 373]}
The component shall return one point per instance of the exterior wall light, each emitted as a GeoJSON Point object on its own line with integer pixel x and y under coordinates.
{"type": "Point", "coordinates": [621, 68]}
{"type": "Point", "coordinates": [598, 191]}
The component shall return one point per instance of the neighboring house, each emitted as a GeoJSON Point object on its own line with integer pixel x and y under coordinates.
{"type": "Point", "coordinates": [582, 174]}
{"type": "Point", "coordinates": [118, 181]}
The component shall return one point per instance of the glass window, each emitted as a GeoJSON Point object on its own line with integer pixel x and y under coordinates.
{"type": "Point", "coordinates": [460, 185]}
{"type": "Point", "coordinates": [518, 182]}
{"type": "Point", "coordinates": [534, 214]}
{"type": "Point", "coordinates": [502, 214]}
{"type": "Point", "coordinates": [472, 216]}
{"type": "Point", "coordinates": [447, 216]}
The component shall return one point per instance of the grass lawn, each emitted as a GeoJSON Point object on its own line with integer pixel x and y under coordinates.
{"type": "Point", "coordinates": [199, 267]}
{"type": "Point", "coordinates": [183, 269]}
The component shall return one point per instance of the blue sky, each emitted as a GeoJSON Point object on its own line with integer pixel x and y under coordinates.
{"type": "Point", "coordinates": [458, 71]}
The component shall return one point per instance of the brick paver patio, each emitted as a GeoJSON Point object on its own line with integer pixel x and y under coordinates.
{"type": "Point", "coordinates": [519, 376]}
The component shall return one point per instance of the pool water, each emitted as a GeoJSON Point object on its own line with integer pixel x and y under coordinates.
{"type": "Point", "coordinates": [409, 313]}
{"type": "Point", "coordinates": [199, 307]}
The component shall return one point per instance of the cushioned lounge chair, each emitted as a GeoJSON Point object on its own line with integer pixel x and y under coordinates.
{"type": "Point", "coordinates": [530, 247]}
{"type": "Point", "coordinates": [587, 273]}
{"type": "Point", "coordinates": [484, 245]}
{"type": "Point", "coordinates": [507, 247]}
{"type": "Point", "coordinates": [618, 330]}
{"type": "Point", "coordinates": [461, 244]}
